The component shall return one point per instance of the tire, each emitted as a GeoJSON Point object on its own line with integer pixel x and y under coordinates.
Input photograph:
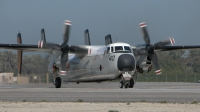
{"type": "Point", "coordinates": [58, 82]}
{"type": "Point", "coordinates": [126, 84]}
{"type": "Point", "coordinates": [131, 83]}
{"type": "Point", "coordinates": [121, 84]}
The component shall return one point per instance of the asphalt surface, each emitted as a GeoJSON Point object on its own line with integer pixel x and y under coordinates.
{"type": "Point", "coordinates": [102, 92]}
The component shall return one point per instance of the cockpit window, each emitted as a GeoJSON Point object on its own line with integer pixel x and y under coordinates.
{"type": "Point", "coordinates": [127, 48]}
{"type": "Point", "coordinates": [108, 50]}
{"type": "Point", "coordinates": [118, 48]}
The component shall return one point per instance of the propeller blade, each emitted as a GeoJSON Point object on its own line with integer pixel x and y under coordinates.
{"type": "Point", "coordinates": [141, 51]}
{"type": "Point", "coordinates": [141, 59]}
{"type": "Point", "coordinates": [165, 42]}
{"type": "Point", "coordinates": [154, 59]}
{"type": "Point", "coordinates": [67, 26]}
{"type": "Point", "coordinates": [145, 32]}
{"type": "Point", "coordinates": [65, 47]}
{"type": "Point", "coordinates": [78, 49]}
{"type": "Point", "coordinates": [52, 45]}
{"type": "Point", "coordinates": [48, 45]}
{"type": "Point", "coordinates": [63, 61]}
{"type": "Point", "coordinates": [87, 37]}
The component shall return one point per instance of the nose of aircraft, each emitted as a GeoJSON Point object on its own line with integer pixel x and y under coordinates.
{"type": "Point", "coordinates": [126, 62]}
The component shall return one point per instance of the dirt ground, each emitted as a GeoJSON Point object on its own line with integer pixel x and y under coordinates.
{"type": "Point", "coordinates": [96, 107]}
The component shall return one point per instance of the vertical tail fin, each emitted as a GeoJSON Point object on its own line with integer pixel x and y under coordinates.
{"type": "Point", "coordinates": [43, 36]}
{"type": "Point", "coordinates": [20, 53]}
{"type": "Point", "coordinates": [87, 37]}
{"type": "Point", "coordinates": [108, 39]}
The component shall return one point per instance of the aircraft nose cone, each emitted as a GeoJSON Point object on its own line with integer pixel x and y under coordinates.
{"type": "Point", "coordinates": [126, 62]}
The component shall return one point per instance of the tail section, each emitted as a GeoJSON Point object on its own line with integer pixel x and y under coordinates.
{"type": "Point", "coordinates": [20, 53]}
{"type": "Point", "coordinates": [43, 36]}
{"type": "Point", "coordinates": [42, 42]}
{"type": "Point", "coordinates": [108, 39]}
{"type": "Point", "coordinates": [87, 37]}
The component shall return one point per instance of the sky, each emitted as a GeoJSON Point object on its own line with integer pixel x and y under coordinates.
{"type": "Point", "coordinates": [120, 18]}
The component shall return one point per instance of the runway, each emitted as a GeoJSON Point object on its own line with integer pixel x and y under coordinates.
{"type": "Point", "coordinates": [102, 92]}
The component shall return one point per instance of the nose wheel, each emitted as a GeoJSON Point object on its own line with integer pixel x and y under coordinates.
{"type": "Point", "coordinates": [121, 84]}
{"type": "Point", "coordinates": [126, 83]}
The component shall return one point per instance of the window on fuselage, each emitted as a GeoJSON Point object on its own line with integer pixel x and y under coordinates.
{"type": "Point", "coordinates": [108, 50]}
{"type": "Point", "coordinates": [118, 48]}
{"type": "Point", "coordinates": [112, 49]}
{"type": "Point", "coordinates": [127, 48]}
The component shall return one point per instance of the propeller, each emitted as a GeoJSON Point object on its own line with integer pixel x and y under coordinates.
{"type": "Point", "coordinates": [65, 47]}
{"type": "Point", "coordinates": [150, 49]}
{"type": "Point", "coordinates": [145, 33]}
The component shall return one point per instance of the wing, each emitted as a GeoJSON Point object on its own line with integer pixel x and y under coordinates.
{"type": "Point", "coordinates": [81, 50]}
{"type": "Point", "coordinates": [170, 48]}
{"type": "Point", "coordinates": [24, 47]}
{"type": "Point", "coordinates": [140, 52]}
{"type": "Point", "coordinates": [143, 51]}
{"type": "Point", "coordinates": [60, 49]}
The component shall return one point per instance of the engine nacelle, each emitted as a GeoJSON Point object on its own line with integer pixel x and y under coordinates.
{"type": "Point", "coordinates": [146, 65]}
{"type": "Point", "coordinates": [148, 60]}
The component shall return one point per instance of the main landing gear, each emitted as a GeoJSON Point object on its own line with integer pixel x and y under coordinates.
{"type": "Point", "coordinates": [58, 82]}
{"type": "Point", "coordinates": [56, 79]}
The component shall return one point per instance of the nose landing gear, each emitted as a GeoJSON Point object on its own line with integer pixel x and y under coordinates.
{"type": "Point", "coordinates": [126, 81]}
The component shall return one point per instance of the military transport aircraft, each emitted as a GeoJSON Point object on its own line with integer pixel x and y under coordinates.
{"type": "Point", "coordinates": [96, 63]}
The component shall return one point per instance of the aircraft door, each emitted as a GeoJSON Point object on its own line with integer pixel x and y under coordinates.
{"type": "Point", "coordinates": [98, 64]}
